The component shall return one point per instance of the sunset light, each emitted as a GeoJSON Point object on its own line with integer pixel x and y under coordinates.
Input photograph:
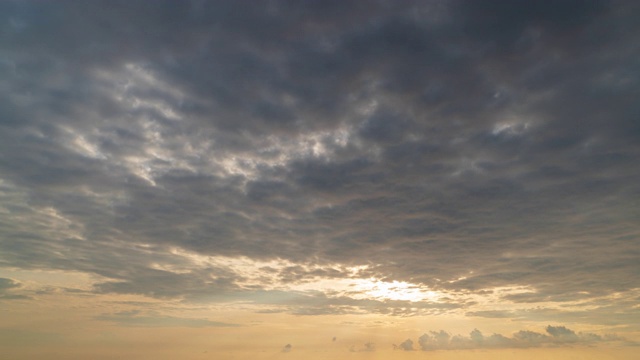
{"type": "Point", "coordinates": [320, 179]}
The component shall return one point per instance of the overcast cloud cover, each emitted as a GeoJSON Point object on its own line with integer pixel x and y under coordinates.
{"type": "Point", "coordinates": [217, 151]}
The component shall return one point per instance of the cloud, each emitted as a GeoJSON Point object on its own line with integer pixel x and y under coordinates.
{"type": "Point", "coordinates": [562, 333]}
{"type": "Point", "coordinates": [406, 345]}
{"type": "Point", "coordinates": [136, 319]}
{"type": "Point", "coordinates": [554, 336]}
{"type": "Point", "coordinates": [460, 146]}
{"type": "Point", "coordinates": [605, 311]}
{"type": "Point", "coordinates": [435, 340]}
{"type": "Point", "coordinates": [7, 286]}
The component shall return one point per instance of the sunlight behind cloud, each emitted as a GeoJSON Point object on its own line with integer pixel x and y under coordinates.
{"type": "Point", "coordinates": [395, 290]}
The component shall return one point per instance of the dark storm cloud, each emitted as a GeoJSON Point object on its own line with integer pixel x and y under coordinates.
{"type": "Point", "coordinates": [464, 145]}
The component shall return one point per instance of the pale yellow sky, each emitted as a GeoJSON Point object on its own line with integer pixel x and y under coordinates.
{"type": "Point", "coordinates": [63, 325]}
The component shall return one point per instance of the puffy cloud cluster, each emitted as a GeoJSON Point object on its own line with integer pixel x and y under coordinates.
{"type": "Point", "coordinates": [406, 345]}
{"type": "Point", "coordinates": [554, 336]}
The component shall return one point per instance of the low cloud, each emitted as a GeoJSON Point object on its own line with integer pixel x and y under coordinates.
{"type": "Point", "coordinates": [607, 311]}
{"type": "Point", "coordinates": [553, 336]}
{"type": "Point", "coordinates": [6, 284]}
{"type": "Point", "coordinates": [136, 319]}
{"type": "Point", "coordinates": [406, 345]}
{"type": "Point", "coordinates": [7, 287]}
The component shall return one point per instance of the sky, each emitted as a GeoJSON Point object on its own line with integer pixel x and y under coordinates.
{"type": "Point", "coordinates": [441, 179]}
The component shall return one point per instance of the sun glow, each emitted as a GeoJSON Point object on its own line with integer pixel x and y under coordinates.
{"type": "Point", "coordinates": [253, 273]}
{"type": "Point", "coordinates": [395, 290]}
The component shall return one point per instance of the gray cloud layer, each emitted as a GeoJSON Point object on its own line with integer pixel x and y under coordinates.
{"type": "Point", "coordinates": [463, 145]}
